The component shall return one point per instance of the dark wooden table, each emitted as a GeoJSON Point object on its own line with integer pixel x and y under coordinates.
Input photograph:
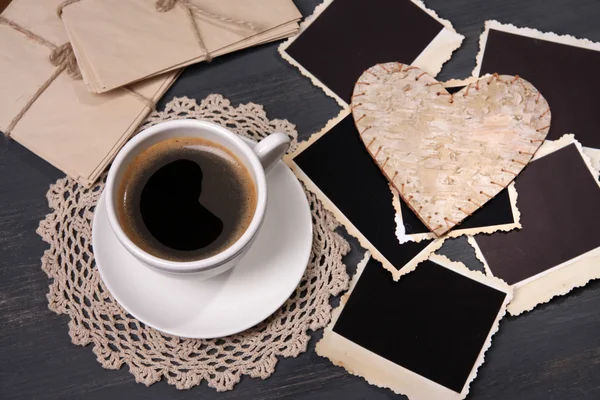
{"type": "Point", "coordinates": [550, 353]}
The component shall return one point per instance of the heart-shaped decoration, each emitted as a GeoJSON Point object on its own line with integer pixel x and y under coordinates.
{"type": "Point", "coordinates": [447, 154]}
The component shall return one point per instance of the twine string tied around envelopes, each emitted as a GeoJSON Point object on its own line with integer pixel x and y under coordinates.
{"type": "Point", "coordinates": [65, 56]}
{"type": "Point", "coordinates": [191, 9]}
{"type": "Point", "coordinates": [62, 57]}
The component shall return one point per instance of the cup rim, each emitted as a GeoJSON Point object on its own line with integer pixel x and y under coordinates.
{"type": "Point", "coordinates": [204, 264]}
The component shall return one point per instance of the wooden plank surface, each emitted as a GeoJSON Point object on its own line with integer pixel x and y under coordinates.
{"type": "Point", "coordinates": [551, 353]}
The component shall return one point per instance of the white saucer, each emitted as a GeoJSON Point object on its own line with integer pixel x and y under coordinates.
{"type": "Point", "coordinates": [231, 302]}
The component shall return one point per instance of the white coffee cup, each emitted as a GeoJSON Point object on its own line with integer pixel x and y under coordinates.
{"type": "Point", "coordinates": [258, 161]}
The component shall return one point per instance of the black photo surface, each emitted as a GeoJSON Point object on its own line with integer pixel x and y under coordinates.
{"type": "Point", "coordinates": [341, 167]}
{"type": "Point", "coordinates": [352, 35]}
{"type": "Point", "coordinates": [559, 202]}
{"type": "Point", "coordinates": [434, 321]}
{"type": "Point", "coordinates": [565, 75]}
{"type": "Point", "coordinates": [497, 211]}
{"type": "Point", "coordinates": [339, 164]}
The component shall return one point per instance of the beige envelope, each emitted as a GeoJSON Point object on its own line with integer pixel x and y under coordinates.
{"type": "Point", "coordinates": [118, 42]}
{"type": "Point", "coordinates": [74, 130]}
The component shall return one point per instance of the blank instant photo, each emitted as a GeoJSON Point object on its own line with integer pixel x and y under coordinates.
{"type": "Point", "coordinates": [558, 247]}
{"type": "Point", "coordinates": [424, 336]}
{"type": "Point", "coordinates": [562, 67]}
{"type": "Point", "coordinates": [335, 165]}
{"type": "Point", "coordinates": [343, 38]}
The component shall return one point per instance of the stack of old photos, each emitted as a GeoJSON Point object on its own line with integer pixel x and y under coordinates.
{"type": "Point", "coordinates": [414, 321]}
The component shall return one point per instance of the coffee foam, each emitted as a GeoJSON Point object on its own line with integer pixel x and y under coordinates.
{"type": "Point", "coordinates": [147, 162]}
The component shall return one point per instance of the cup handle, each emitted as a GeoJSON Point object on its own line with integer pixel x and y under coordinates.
{"type": "Point", "coordinates": [271, 149]}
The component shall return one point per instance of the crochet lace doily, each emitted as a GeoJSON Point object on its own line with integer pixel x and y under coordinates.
{"type": "Point", "coordinates": [117, 338]}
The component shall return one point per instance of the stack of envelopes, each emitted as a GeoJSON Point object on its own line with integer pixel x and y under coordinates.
{"type": "Point", "coordinates": [128, 53]}
{"type": "Point", "coordinates": [119, 42]}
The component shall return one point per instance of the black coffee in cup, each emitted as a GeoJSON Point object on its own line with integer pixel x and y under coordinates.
{"type": "Point", "coordinates": [185, 199]}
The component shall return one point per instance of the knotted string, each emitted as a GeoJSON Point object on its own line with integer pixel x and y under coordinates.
{"type": "Point", "coordinates": [65, 56]}
{"type": "Point", "coordinates": [167, 5]}
{"type": "Point", "coordinates": [61, 57]}
{"type": "Point", "coordinates": [191, 9]}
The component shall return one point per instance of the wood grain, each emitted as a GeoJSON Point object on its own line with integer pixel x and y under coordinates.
{"type": "Point", "coordinates": [551, 353]}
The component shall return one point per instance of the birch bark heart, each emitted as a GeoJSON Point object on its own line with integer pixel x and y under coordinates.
{"type": "Point", "coordinates": [447, 154]}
